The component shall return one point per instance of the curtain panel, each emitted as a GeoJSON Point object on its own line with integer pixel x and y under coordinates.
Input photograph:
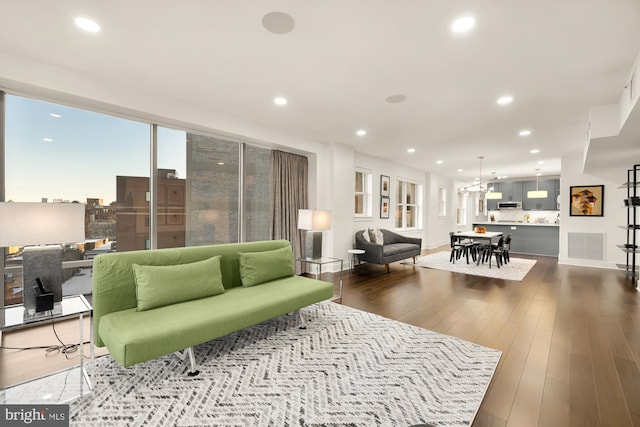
{"type": "Point", "coordinates": [289, 192]}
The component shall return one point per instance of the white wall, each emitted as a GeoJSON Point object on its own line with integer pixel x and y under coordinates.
{"type": "Point", "coordinates": [615, 214]}
{"type": "Point", "coordinates": [435, 229]}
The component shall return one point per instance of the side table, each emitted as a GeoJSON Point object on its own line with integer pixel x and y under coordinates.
{"type": "Point", "coordinates": [320, 262]}
{"type": "Point", "coordinates": [353, 256]}
{"type": "Point", "coordinates": [58, 385]}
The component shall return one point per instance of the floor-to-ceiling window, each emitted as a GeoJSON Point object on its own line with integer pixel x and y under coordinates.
{"type": "Point", "coordinates": [59, 154]}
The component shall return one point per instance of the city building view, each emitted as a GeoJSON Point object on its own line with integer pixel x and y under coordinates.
{"type": "Point", "coordinates": [197, 201]}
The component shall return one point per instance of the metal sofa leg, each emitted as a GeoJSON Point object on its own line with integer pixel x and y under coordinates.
{"type": "Point", "coordinates": [192, 360]}
{"type": "Point", "coordinates": [303, 323]}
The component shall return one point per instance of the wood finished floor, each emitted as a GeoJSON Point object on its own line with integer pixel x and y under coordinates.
{"type": "Point", "coordinates": [570, 336]}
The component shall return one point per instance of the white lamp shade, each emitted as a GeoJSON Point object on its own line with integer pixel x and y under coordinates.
{"type": "Point", "coordinates": [314, 220]}
{"type": "Point", "coordinates": [494, 195]}
{"type": "Point", "coordinates": [537, 194]}
{"type": "Point", "coordinates": [23, 224]}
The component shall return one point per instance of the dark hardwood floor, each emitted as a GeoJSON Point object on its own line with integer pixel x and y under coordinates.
{"type": "Point", "coordinates": [570, 336]}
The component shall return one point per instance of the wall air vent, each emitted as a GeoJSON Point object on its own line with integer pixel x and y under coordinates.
{"type": "Point", "coordinates": [586, 246]}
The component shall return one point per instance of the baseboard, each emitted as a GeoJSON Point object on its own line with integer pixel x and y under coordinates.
{"type": "Point", "coordinates": [587, 263]}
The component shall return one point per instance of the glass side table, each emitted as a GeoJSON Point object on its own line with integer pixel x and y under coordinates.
{"type": "Point", "coordinates": [319, 262]}
{"type": "Point", "coordinates": [62, 386]}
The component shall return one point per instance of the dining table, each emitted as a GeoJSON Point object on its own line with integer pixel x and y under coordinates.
{"type": "Point", "coordinates": [487, 237]}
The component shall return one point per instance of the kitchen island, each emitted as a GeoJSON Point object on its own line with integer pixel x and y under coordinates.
{"type": "Point", "coordinates": [528, 237]}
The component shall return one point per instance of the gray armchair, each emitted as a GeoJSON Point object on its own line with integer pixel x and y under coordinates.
{"type": "Point", "coordinates": [395, 247]}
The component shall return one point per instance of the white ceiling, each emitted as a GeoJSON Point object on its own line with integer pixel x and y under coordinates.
{"type": "Point", "coordinates": [557, 58]}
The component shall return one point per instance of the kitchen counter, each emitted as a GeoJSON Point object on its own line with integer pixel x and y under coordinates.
{"type": "Point", "coordinates": [535, 224]}
{"type": "Point", "coordinates": [528, 237]}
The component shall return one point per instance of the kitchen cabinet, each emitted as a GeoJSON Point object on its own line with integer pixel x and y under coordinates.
{"type": "Point", "coordinates": [549, 203]}
{"type": "Point", "coordinates": [529, 238]}
{"type": "Point", "coordinates": [511, 192]}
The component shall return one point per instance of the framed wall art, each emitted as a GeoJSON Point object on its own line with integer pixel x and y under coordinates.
{"type": "Point", "coordinates": [385, 184]}
{"type": "Point", "coordinates": [586, 200]}
{"type": "Point", "coordinates": [384, 207]}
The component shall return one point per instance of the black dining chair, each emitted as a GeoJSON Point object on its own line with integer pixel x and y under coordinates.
{"type": "Point", "coordinates": [460, 247]}
{"type": "Point", "coordinates": [494, 249]}
{"type": "Point", "coordinates": [505, 249]}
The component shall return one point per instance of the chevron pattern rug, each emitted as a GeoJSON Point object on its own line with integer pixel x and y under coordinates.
{"type": "Point", "coordinates": [348, 368]}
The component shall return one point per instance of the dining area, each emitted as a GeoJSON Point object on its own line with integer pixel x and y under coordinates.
{"type": "Point", "coordinates": [480, 246]}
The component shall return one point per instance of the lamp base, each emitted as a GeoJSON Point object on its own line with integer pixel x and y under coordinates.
{"type": "Point", "coordinates": [44, 262]}
{"type": "Point", "coordinates": [313, 244]}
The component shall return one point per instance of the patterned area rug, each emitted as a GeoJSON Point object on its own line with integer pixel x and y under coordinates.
{"type": "Point", "coordinates": [348, 368]}
{"type": "Point", "coordinates": [516, 269]}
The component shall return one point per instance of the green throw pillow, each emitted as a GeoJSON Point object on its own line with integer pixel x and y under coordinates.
{"type": "Point", "coordinates": [161, 285]}
{"type": "Point", "coordinates": [261, 267]}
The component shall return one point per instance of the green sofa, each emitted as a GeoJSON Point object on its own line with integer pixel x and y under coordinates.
{"type": "Point", "coordinates": [134, 333]}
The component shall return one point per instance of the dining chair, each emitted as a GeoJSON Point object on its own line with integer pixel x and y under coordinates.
{"type": "Point", "coordinates": [506, 248]}
{"type": "Point", "coordinates": [461, 247]}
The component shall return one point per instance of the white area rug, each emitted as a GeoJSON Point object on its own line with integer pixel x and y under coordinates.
{"type": "Point", "coordinates": [516, 269]}
{"type": "Point", "coordinates": [348, 368]}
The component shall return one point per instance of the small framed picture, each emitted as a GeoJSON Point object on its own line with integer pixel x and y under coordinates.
{"type": "Point", "coordinates": [385, 183]}
{"type": "Point", "coordinates": [586, 200]}
{"type": "Point", "coordinates": [384, 207]}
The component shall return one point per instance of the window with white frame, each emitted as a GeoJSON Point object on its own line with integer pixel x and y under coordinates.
{"type": "Point", "coordinates": [408, 205]}
{"type": "Point", "coordinates": [363, 193]}
{"type": "Point", "coordinates": [442, 201]}
{"type": "Point", "coordinates": [461, 211]}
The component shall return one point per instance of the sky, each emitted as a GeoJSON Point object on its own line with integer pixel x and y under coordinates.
{"type": "Point", "coordinates": [79, 154]}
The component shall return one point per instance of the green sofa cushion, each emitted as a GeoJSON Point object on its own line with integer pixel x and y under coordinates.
{"type": "Point", "coordinates": [157, 286]}
{"type": "Point", "coordinates": [264, 266]}
{"type": "Point", "coordinates": [178, 326]}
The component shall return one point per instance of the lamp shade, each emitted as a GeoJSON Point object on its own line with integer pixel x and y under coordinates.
{"type": "Point", "coordinates": [23, 224]}
{"type": "Point", "coordinates": [314, 220]}
{"type": "Point", "coordinates": [493, 195]}
{"type": "Point", "coordinates": [537, 194]}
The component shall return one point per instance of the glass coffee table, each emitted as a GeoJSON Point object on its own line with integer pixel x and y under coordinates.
{"type": "Point", "coordinates": [62, 386]}
{"type": "Point", "coordinates": [319, 262]}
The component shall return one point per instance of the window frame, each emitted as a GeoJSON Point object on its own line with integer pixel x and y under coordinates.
{"type": "Point", "coordinates": [366, 193]}
{"type": "Point", "coordinates": [401, 185]}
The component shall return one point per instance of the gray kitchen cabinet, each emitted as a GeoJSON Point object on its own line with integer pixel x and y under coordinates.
{"type": "Point", "coordinates": [548, 203]}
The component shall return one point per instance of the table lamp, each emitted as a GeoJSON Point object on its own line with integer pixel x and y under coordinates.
{"type": "Point", "coordinates": [313, 222]}
{"type": "Point", "coordinates": [43, 226]}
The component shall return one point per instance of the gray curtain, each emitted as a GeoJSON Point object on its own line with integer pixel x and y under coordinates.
{"type": "Point", "coordinates": [289, 192]}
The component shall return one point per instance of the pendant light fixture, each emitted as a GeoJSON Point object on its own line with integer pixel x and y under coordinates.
{"type": "Point", "coordinates": [538, 194]}
{"type": "Point", "coordinates": [491, 194]}
{"type": "Point", "coordinates": [484, 193]}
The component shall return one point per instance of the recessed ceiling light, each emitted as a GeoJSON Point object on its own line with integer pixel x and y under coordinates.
{"type": "Point", "coordinates": [411, 150]}
{"type": "Point", "coordinates": [47, 139]}
{"type": "Point", "coordinates": [220, 163]}
{"type": "Point", "coordinates": [505, 100]}
{"type": "Point", "coordinates": [278, 22]}
{"type": "Point", "coordinates": [439, 162]}
{"type": "Point", "coordinates": [460, 170]}
{"type": "Point", "coordinates": [56, 115]}
{"type": "Point", "coordinates": [525, 132]}
{"type": "Point", "coordinates": [361, 132]}
{"type": "Point", "coordinates": [541, 162]}
{"type": "Point", "coordinates": [504, 177]}
{"type": "Point", "coordinates": [534, 151]}
{"type": "Point", "coordinates": [463, 24]}
{"type": "Point", "coordinates": [280, 100]}
{"type": "Point", "coordinates": [538, 174]}
{"type": "Point", "coordinates": [87, 24]}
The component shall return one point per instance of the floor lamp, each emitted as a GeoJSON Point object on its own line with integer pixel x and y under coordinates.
{"type": "Point", "coordinates": [43, 226]}
{"type": "Point", "coordinates": [313, 222]}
